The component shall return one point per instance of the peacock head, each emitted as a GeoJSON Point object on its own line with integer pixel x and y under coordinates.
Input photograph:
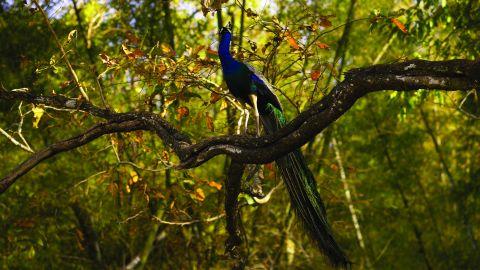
{"type": "Point", "coordinates": [226, 30]}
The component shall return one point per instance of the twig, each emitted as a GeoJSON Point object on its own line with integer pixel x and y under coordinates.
{"type": "Point", "coordinates": [62, 146]}
{"type": "Point", "coordinates": [130, 218]}
{"type": "Point", "coordinates": [14, 141]}
{"type": "Point", "coordinates": [62, 50]}
{"type": "Point", "coordinates": [185, 223]}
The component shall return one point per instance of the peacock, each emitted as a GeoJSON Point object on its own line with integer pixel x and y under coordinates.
{"type": "Point", "coordinates": [250, 87]}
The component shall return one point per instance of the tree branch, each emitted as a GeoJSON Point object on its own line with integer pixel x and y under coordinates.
{"type": "Point", "coordinates": [411, 75]}
{"type": "Point", "coordinates": [67, 145]}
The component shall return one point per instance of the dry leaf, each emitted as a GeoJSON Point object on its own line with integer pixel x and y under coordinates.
{"type": "Point", "coordinates": [325, 22]}
{"type": "Point", "coordinates": [71, 35]}
{"type": "Point", "coordinates": [215, 185]}
{"type": "Point", "coordinates": [209, 121]}
{"type": "Point", "coordinates": [399, 24]}
{"type": "Point", "coordinates": [322, 45]}
{"type": "Point", "coordinates": [126, 50]}
{"type": "Point", "coordinates": [214, 97]}
{"type": "Point", "coordinates": [182, 112]}
{"type": "Point", "coordinates": [291, 41]}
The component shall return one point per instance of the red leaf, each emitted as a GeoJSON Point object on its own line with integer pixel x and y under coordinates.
{"type": "Point", "coordinates": [214, 97]}
{"type": "Point", "coordinates": [182, 112]}
{"type": "Point", "coordinates": [291, 41]}
{"type": "Point", "coordinates": [399, 24]}
{"type": "Point", "coordinates": [322, 45]}
{"type": "Point", "coordinates": [315, 74]}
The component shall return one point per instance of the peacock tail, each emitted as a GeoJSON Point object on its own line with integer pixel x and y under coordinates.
{"type": "Point", "coordinates": [304, 196]}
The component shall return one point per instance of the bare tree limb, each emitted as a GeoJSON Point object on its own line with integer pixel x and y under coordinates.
{"type": "Point", "coordinates": [66, 145]}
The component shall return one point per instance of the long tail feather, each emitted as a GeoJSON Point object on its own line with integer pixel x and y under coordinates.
{"type": "Point", "coordinates": [304, 196]}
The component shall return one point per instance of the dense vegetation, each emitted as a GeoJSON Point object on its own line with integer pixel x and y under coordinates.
{"type": "Point", "coordinates": [399, 172]}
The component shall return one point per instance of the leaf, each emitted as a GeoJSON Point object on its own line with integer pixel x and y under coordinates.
{"type": "Point", "coordinates": [211, 51]}
{"type": "Point", "coordinates": [291, 41]}
{"type": "Point", "coordinates": [106, 60]}
{"type": "Point", "coordinates": [71, 35]}
{"type": "Point", "coordinates": [322, 45]}
{"type": "Point", "coordinates": [290, 249]}
{"type": "Point", "coordinates": [37, 115]}
{"type": "Point", "coordinates": [214, 97]}
{"type": "Point", "coordinates": [215, 185]}
{"type": "Point", "coordinates": [199, 194]}
{"type": "Point", "coordinates": [399, 24]}
{"type": "Point", "coordinates": [251, 13]}
{"type": "Point", "coordinates": [126, 50]}
{"type": "Point", "coordinates": [205, 7]}
{"type": "Point", "coordinates": [182, 112]}
{"type": "Point", "coordinates": [133, 177]}
{"type": "Point", "coordinates": [167, 50]}
{"type": "Point", "coordinates": [224, 105]}
{"type": "Point", "coordinates": [315, 74]}
{"type": "Point", "coordinates": [209, 121]}
{"type": "Point", "coordinates": [325, 22]}
{"type": "Point", "coordinates": [137, 53]}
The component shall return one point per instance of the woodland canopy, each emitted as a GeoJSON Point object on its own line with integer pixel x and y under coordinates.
{"type": "Point", "coordinates": [119, 145]}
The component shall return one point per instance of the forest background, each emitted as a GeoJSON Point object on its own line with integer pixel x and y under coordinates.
{"type": "Point", "coordinates": [399, 171]}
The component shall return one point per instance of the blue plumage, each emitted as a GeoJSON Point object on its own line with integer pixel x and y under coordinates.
{"type": "Point", "coordinates": [250, 87]}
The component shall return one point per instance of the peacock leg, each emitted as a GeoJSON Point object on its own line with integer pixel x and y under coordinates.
{"type": "Point", "coordinates": [253, 98]}
{"type": "Point", "coordinates": [240, 120]}
{"type": "Point", "coordinates": [247, 115]}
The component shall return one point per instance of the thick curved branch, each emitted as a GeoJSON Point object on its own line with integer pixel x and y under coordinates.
{"type": "Point", "coordinates": [67, 145]}
{"type": "Point", "coordinates": [411, 75]}
{"type": "Point", "coordinates": [407, 76]}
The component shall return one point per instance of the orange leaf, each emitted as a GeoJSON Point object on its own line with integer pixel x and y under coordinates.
{"type": "Point", "coordinates": [291, 41]}
{"type": "Point", "coordinates": [215, 185]}
{"type": "Point", "coordinates": [182, 112]}
{"type": "Point", "coordinates": [315, 74]}
{"type": "Point", "coordinates": [322, 45]}
{"type": "Point", "coordinates": [399, 24]}
{"type": "Point", "coordinates": [209, 121]}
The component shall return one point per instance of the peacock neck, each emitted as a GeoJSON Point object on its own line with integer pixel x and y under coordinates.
{"type": "Point", "coordinates": [224, 50]}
